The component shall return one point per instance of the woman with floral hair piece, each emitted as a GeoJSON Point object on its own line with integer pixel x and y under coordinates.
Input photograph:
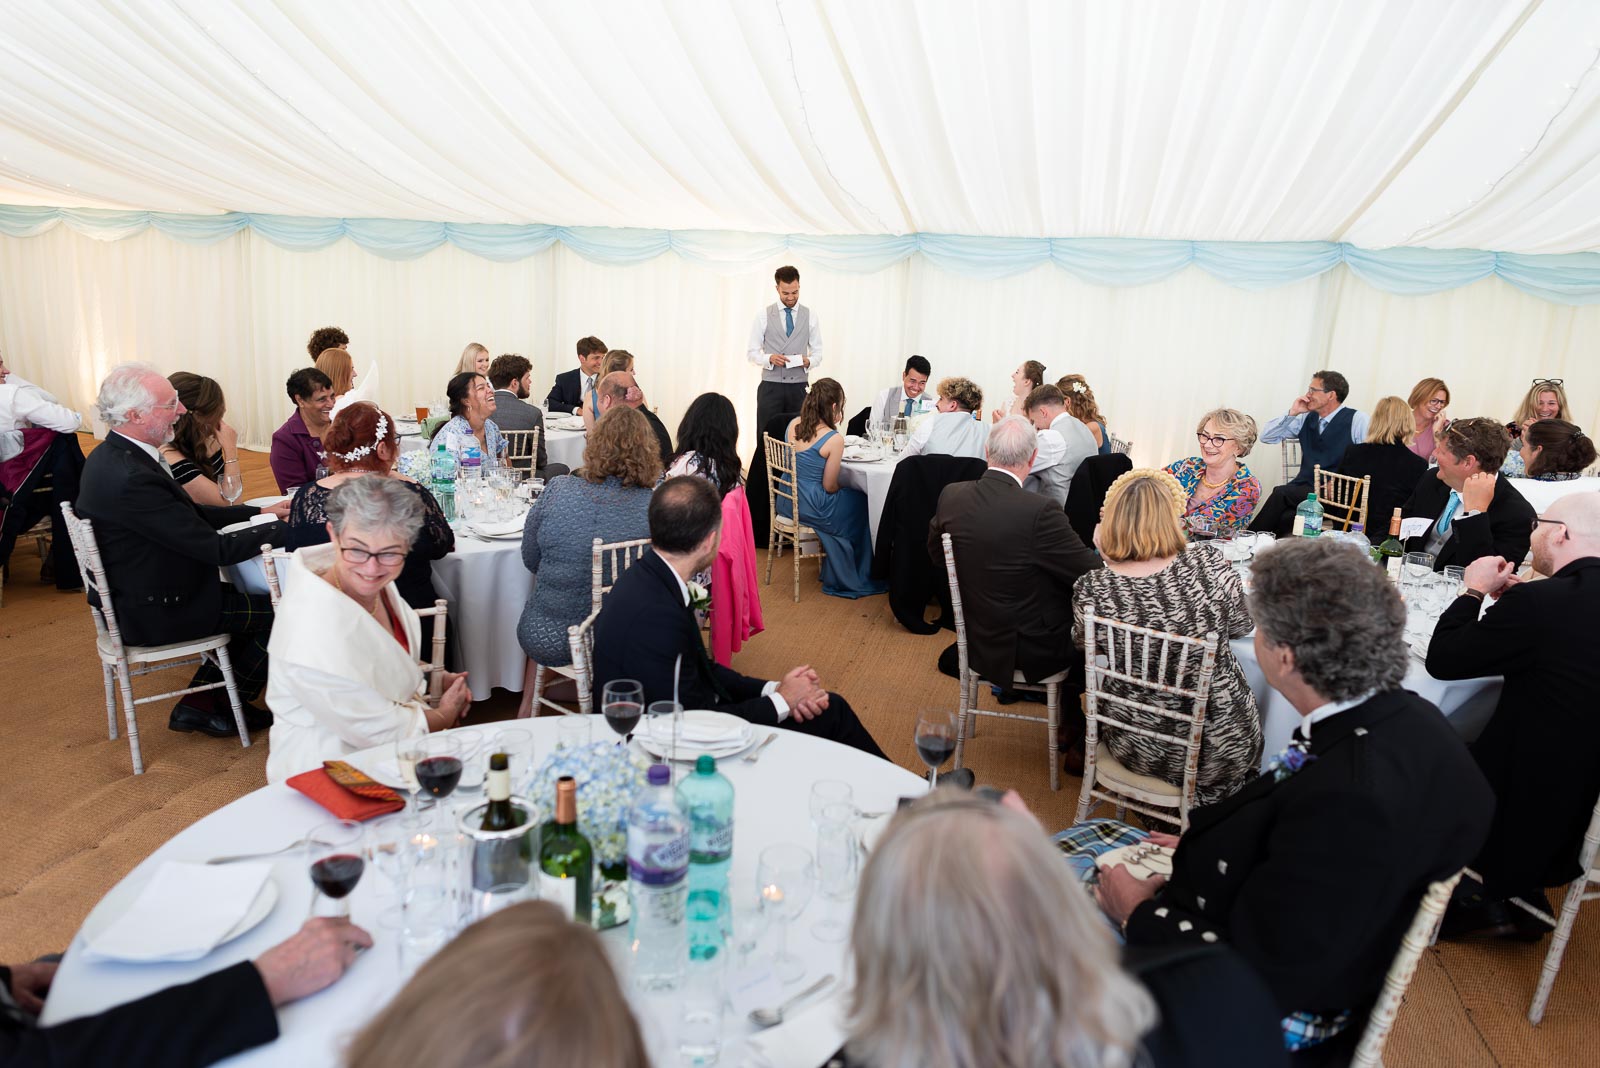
{"type": "Point", "coordinates": [1082, 407]}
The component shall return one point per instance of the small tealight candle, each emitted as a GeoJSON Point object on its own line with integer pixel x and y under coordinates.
{"type": "Point", "coordinates": [772, 894]}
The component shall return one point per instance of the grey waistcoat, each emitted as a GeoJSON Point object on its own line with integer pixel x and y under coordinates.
{"type": "Point", "coordinates": [791, 345]}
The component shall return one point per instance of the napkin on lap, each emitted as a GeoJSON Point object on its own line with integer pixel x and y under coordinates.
{"type": "Point", "coordinates": [182, 913]}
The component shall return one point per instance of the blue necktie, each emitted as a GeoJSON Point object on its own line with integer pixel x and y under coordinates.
{"type": "Point", "coordinates": [788, 321]}
{"type": "Point", "coordinates": [907, 412]}
{"type": "Point", "coordinates": [1449, 512]}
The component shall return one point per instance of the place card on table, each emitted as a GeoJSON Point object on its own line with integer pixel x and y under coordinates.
{"type": "Point", "coordinates": [754, 987]}
{"type": "Point", "coordinates": [1415, 527]}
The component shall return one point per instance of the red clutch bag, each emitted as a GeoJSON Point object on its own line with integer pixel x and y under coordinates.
{"type": "Point", "coordinates": [346, 792]}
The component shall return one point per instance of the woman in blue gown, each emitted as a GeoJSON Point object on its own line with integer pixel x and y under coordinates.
{"type": "Point", "coordinates": [837, 513]}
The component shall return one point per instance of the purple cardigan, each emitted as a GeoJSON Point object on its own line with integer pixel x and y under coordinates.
{"type": "Point", "coordinates": [295, 454]}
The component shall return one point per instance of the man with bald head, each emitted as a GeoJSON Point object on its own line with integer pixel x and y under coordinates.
{"type": "Point", "coordinates": [620, 387]}
{"type": "Point", "coordinates": [1541, 750]}
{"type": "Point", "coordinates": [161, 550]}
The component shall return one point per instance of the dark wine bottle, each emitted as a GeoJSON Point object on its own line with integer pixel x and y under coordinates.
{"type": "Point", "coordinates": [1391, 550]}
{"type": "Point", "coordinates": [505, 862]}
{"type": "Point", "coordinates": [566, 860]}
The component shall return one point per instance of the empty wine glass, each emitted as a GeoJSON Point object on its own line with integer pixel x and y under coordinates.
{"type": "Point", "coordinates": [936, 740]}
{"type": "Point", "coordinates": [231, 486]}
{"type": "Point", "coordinates": [336, 852]}
{"type": "Point", "coordinates": [665, 718]}
{"type": "Point", "coordinates": [837, 859]}
{"type": "Point", "coordinates": [825, 792]}
{"type": "Point", "coordinates": [622, 703]}
{"type": "Point", "coordinates": [785, 878]}
{"type": "Point", "coordinates": [388, 844]}
{"type": "Point", "coordinates": [407, 752]}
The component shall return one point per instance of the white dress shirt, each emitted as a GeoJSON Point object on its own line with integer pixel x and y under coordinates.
{"type": "Point", "coordinates": [1288, 426]}
{"type": "Point", "coordinates": [954, 433]}
{"type": "Point", "coordinates": [1067, 441]}
{"type": "Point", "coordinates": [892, 402]}
{"type": "Point", "coordinates": [770, 690]}
{"type": "Point", "coordinates": [23, 404]}
{"type": "Point", "coordinates": [755, 352]}
{"type": "Point", "coordinates": [1332, 708]}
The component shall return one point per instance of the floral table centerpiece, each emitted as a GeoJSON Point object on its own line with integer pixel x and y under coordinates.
{"type": "Point", "coordinates": [609, 777]}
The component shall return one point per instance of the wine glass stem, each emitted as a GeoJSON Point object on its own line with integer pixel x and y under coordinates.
{"type": "Point", "coordinates": [783, 937]}
{"type": "Point", "coordinates": [933, 776]}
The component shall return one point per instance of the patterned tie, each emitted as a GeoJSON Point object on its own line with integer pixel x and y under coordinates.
{"type": "Point", "coordinates": [788, 321]}
{"type": "Point", "coordinates": [1449, 513]}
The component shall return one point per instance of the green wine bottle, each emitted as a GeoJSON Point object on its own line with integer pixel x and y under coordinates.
{"type": "Point", "coordinates": [503, 862]}
{"type": "Point", "coordinates": [1388, 553]}
{"type": "Point", "coordinates": [566, 860]}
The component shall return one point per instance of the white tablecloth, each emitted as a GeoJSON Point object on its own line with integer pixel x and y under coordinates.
{"type": "Point", "coordinates": [872, 479]}
{"type": "Point", "coordinates": [1467, 703]}
{"type": "Point", "coordinates": [561, 446]}
{"type": "Point", "coordinates": [1543, 494]}
{"type": "Point", "coordinates": [771, 806]}
{"type": "Point", "coordinates": [486, 585]}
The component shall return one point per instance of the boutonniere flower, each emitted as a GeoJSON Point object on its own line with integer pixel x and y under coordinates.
{"type": "Point", "coordinates": [699, 597]}
{"type": "Point", "coordinates": [1294, 756]}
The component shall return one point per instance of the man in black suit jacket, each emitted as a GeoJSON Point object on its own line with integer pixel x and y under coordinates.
{"type": "Point", "coordinates": [1017, 558]}
{"type": "Point", "coordinates": [161, 550]}
{"type": "Point", "coordinates": [567, 394]}
{"type": "Point", "coordinates": [620, 387]}
{"type": "Point", "coordinates": [1314, 870]}
{"type": "Point", "coordinates": [1538, 751]}
{"type": "Point", "coordinates": [512, 378]}
{"type": "Point", "coordinates": [646, 627]}
{"type": "Point", "coordinates": [1475, 512]}
{"type": "Point", "coordinates": [185, 1026]}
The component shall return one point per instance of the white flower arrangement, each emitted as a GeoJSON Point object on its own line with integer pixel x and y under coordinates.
{"type": "Point", "coordinates": [416, 465]}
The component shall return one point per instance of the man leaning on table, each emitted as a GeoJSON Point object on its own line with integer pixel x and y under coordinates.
{"type": "Point", "coordinates": [1474, 512]}
{"type": "Point", "coordinates": [1538, 750]}
{"type": "Point", "coordinates": [185, 1026]}
{"type": "Point", "coordinates": [785, 342]}
{"type": "Point", "coordinates": [647, 631]}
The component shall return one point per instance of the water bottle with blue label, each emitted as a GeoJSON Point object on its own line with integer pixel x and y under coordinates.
{"type": "Point", "coordinates": [658, 885]}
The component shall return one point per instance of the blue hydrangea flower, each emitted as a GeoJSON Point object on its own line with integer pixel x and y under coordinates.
{"type": "Point", "coordinates": [609, 777]}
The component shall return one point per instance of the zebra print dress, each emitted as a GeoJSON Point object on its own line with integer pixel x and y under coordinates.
{"type": "Point", "coordinates": [1194, 595]}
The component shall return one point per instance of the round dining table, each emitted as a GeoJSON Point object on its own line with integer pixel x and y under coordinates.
{"type": "Point", "coordinates": [771, 805]}
{"type": "Point", "coordinates": [871, 477]}
{"type": "Point", "coordinates": [562, 445]}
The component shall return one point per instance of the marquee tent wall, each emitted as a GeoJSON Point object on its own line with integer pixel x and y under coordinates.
{"type": "Point", "coordinates": [1333, 160]}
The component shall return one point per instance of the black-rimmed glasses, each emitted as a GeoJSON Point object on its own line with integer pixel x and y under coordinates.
{"type": "Point", "coordinates": [1215, 441]}
{"type": "Point", "coordinates": [361, 556]}
{"type": "Point", "coordinates": [1541, 519]}
{"type": "Point", "coordinates": [1549, 381]}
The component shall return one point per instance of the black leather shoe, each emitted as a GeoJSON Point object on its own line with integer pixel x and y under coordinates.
{"type": "Point", "coordinates": [205, 717]}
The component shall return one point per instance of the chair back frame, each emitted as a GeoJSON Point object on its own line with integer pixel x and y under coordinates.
{"type": "Point", "coordinates": [580, 639]}
{"type": "Point", "coordinates": [970, 682]}
{"type": "Point", "coordinates": [1369, 1051]}
{"type": "Point", "coordinates": [1343, 493]}
{"type": "Point", "coordinates": [611, 558]}
{"type": "Point", "coordinates": [522, 448]}
{"type": "Point", "coordinates": [1174, 656]}
{"type": "Point", "coordinates": [1290, 451]}
{"type": "Point", "coordinates": [781, 462]}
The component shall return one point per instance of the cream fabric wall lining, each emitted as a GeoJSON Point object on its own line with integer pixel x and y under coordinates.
{"type": "Point", "coordinates": [1157, 355]}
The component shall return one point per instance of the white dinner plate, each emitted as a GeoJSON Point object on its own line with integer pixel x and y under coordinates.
{"type": "Point", "coordinates": [264, 502]}
{"type": "Point", "coordinates": [513, 535]}
{"type": "Point", "coordinates": [569, 422]}
{"type": "Point", "coordinates": [872, 830]}
{"type": "Point", "coordinates": [707, 720]}
{"type": "Point", "coordinates": [112, 907]}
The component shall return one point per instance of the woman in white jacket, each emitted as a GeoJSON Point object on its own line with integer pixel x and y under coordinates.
{"type": "Point", "coordinates": [345, 644]}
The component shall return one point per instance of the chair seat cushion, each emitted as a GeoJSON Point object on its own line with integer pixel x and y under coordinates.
{"type": "Point", "coordinates": [140, 654]}
{"type": "Point", "coordinates": [1111, 772]}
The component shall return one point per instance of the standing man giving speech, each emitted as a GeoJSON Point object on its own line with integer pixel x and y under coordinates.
{"type": "Point", "coordinates": [785, 342]}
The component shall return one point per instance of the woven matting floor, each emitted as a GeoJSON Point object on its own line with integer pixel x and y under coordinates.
{"type": "Point", "coordinates": [77, 819]}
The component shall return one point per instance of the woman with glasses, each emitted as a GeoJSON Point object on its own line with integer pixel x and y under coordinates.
{"type": "Point", "coordinates": [1390, 457]}
{"type": "Point", "coordinates": [345, 644]}
{"type": "Point", "coordinates": [1428, 401]}
{"type": "Point", "coordinates": [1545, 399]}
{"type": "Point", "coordinates": [1218, 483]}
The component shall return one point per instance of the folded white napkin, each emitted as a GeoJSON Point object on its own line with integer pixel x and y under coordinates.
{"type": "Point", "coordinates": [861, 452]}
{"type": "Point", "coordinates": [500, 527]}
{"type": "Point", "coordinates": [566, 422]}
{"type": "Point", "coordinates": [182, 913]}
{"type": "Point", "coordinates": [697, 732]}
{"type": "Point", "coordinates": [804, 1040]}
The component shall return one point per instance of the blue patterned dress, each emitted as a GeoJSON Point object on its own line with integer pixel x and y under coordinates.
{"type": "Point", "coordinates": [840, 520]}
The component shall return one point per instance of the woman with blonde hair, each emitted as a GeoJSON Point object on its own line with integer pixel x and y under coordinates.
{"type": "Point", "coordinates": [1545, 399]}
{"type": "Point", "coordinates": [1429, 402]}
{"type": "Point", "coordinates": [837, 513]}
{"type": "Point", "coordinates": [474, 358]}
{"type": "Point", "coordinates": [340, 369]}
{"type": "Point", "coordinates": [616, 360]}
{"type": "Point", "coordinates": [974, 947]}
{"type": "Point", "coordinates": [1388, 455]}
{"type": "Point", "coordinates": [1081, 406]}
{"type": "Point", "coordinates": [522, 987]}
{"type": "Point", "coordinates": [1153, 578]}
{"type": "Point", "coordinates": [1028, 377]}
{"type": "Point", "coordinates": [607, 498]}
{"type": "Point", "coordinates": [1220, 488]}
